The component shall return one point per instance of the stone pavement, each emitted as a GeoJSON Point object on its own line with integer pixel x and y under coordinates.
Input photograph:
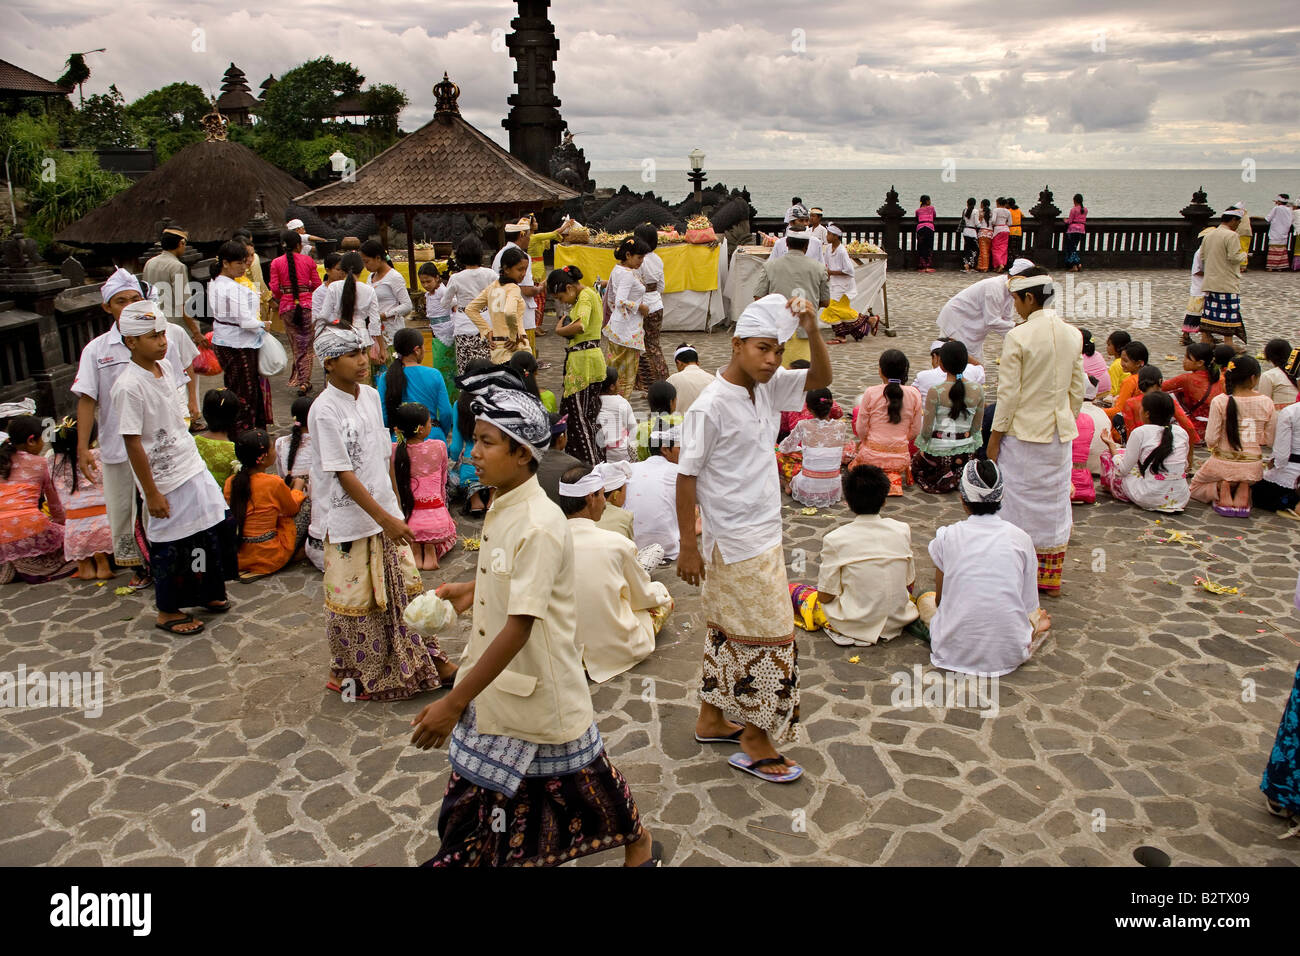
{"type": "Point", "coordinates": [1145, 720]}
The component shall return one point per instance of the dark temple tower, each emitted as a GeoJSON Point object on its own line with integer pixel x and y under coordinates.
{"type": "Point", "coordinates": [534, 121]}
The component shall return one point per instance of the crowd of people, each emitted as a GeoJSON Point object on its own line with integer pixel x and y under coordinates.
{"type": "Point", "coordinates": [581, 501]}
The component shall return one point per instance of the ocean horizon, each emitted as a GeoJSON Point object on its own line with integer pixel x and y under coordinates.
{"type": "Point", "coordinates": [1128, 193]}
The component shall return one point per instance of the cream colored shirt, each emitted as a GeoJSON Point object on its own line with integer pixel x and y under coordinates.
{"type": "Point", "coordinates": [1277, 386]}
{"type": "Point", "coordinates": [868, 565]}
{"type": "Point", "coordinates": [615, 631]}
{"type": "Point", "coordinates": [1041, 380]}
{"type": "Point", "coordinates": [1223, 257]}
{"type": "Point", "coordinates": [689, 382]}
{"type": "Point", "coordinates": [616, 519]}
{"type": "Point", "coordinates": [526, 567]}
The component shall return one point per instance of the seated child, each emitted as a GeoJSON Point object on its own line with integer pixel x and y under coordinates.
{"type": "Point", "coordinates": [1151, 471]}
{"type": "Point", "coordinates": [419, 469]}
{"type": "Point", "coordinates": [926, 379]}
{"type": "Point", "coordinates": [615, 517]}
{"type": "Point", "coordinates": [221, 408]}
{"type": "Point", "coordinates": [1277, 490]}
{"type": "Point", "coordinates": [1101, 425]}
{"type": "Point", "coordinates": [949, 433]}
{"type": "Point", "coordinates": [1082, 490]}
{"type": "Point", "coordinates": [790, 419]}
{"type": "Point", "coordinates": [293, 453]}
{"type": "Point", "coordinates": [867, 568]}
{"type": "Point", "coordinates": [1276, 382]}
{"type": "Point", "coordinates": [462, 480]}
{"type": "Point", "coordinates": [652, 493]}
{"type": "Point", "coordinates": [270, 521]}
{"type": "Point", "coordinates": [889, 418]}
{"type": "Point", "coordinates": [1223, 354]}
{"type": "Point", "coordinates": [1115, 343]}
{"type": "Point", "coordinates": [1131, 360]}
{"type": "Point", "coordinates": [662, 398]}
{"type": "Point", "coordinates": [1193, 389]}
{"type": "Point", "coordinates": [622, 609]}
{"type": "Point", "coordinates": [1241, 421]}
{"type": "Point", "coordinates": [617, 420]}
{"type": "Point", "coordinates": [1094, 365]}
{"type": "Point", "coordinates": [87, 535]}
{"type": "Point", "coordinates": [31, 542]}
{"type": "Point", "coordinates": [813, 453]}
{"type": "Point", "coordinates": [987, 618]}
{"type": "Point", "coordinates": [1149, 379]}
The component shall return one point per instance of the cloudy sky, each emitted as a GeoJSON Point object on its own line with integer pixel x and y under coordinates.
{"type": "Point", "coordinates": [768, 83]}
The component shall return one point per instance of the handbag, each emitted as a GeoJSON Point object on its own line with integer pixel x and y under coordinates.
{"type": "Point", "coordinates": [271, 357]}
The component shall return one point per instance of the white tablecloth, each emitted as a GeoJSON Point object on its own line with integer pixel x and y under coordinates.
{"type": "Point", "coordinates": [746, 266]}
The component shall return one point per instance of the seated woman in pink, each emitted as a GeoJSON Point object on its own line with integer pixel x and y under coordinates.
{"type": "Point", "coordinates": [889, 418]}
{"type": "Point", "coordinates": [1082, 490]}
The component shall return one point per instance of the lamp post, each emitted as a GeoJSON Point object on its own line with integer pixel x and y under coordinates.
{"type": "Point", "coordinates": [342, 165]}
{"type": "Point", "coordinates": [696, 175]}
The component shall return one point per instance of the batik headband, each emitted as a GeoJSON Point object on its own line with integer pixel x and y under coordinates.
{"type": "Point", "coordinates": [333, 341]}
{"type": "Point", "coordinates": [517, 413]}
{"type": "Point", "coordinates": [975, 490]}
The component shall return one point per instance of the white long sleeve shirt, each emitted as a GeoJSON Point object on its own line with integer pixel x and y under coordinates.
{"type": "Point", "coordinates": [234, 310]}
{"type": "Point", "coordinates": [365, 314]}
{"type": "Point", "coordinates": [393, 301]}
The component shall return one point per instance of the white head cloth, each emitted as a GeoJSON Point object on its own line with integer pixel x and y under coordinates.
{"type": "Point", "coordinates": [1021, 283]}
{"type": "Point", "coordinates": [12, 409]}
{"type": "Point", "coordinates": [937, 344]}
{"type": "Point", "coordinates": [615, 474]}
{"type": "Point", "coordinates": [588, 484]}
{"type": "Point", "coordinates": [1236, 209]}
{"type": "Point", "coordinates": [973, 487]}
{"type": "Point", "coordinates": [803, 234]}
{"type": "Point", "coordinates": [120, 281]}
{"type": "Point", "coordinates": [835, 230]}
{"type": "Point", "coordinates": [1281, 198]}
{"type": "Point", "coordinates": [769, 318]}
{"type": "Point", "coordinates": [333, 341]}
{"type": "Point", "coordinates": [295, 224]}
{"type": "Point", "coordinates": [683, 349]}
{"type": "Point", "coordinates": [141, 318]}
{"type": "Point", "coordinates": [1019, 266]}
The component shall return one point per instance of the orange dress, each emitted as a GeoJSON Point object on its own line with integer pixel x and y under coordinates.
{"type": "Point", "coordinates": [25, 530]}
{"type": "Point", "coordinates": [270, 533]}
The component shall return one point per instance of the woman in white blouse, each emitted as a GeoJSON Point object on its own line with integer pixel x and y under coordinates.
{"type": "Point", "coordinates": [970, 223]}
{"type": "Point", "coordinates": [237, 336]}
{"type": "Point", "coordinates": [463, 288]}
{"type": "Point", "coordinates": [351, 303]}
{"type": "Point", "coordinates": [394, 300]}
{"type": "Point", "coordinates": [626, 295]}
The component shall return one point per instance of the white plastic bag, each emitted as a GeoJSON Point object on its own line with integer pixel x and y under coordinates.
{"type": "Point", "coordinates": [271, 357]}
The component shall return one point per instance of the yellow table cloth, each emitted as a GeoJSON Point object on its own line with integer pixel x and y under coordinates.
{"type": "Point", "coordinates": [687, 267]}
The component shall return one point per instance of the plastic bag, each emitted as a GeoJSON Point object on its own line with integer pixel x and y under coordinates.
{"type": "Point", "coordinates": [271, 357]}
{"type": "Point", "coordinates": [206, 363]}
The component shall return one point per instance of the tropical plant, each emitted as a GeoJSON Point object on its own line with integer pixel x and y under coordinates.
{"type": "Point", "coordinates": [383, 103]}
{"type": "Point", "coordinates": [78, 186]}
{"type": "Point", "coordinates": [76, 74]}
{"type": "Point", "coordinates": [27, 141]}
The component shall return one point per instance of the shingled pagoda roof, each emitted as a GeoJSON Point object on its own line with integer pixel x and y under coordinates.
{"type": "Point", "coordinates": [15, 81]}
{"type": "Point", "coordinates": [446, 165]}
{"type": "Point", "coordinates": [208, 189]}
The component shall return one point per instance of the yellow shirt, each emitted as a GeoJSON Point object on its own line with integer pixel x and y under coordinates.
{"type": "Point", "coordinates": [1117, 376]}
{"type": "Point", "coordinates": [526, 567]}
{"type": "Point", "coordinates": [1040, 380]}
{"type": "Point", "coordinates": [538, 243]}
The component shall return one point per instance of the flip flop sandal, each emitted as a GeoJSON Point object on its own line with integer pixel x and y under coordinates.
{"type": "Point", "coordinates": [222, 609]}
{"type": "Point", "coordinates": [334, 686]}
{"type": "Point", "coordinates": [742, 761]}
{"type": "Point", "coordinates": [729, 739]}
{"type": "Point", "coordinates": [140, 585]}
{"type": "Point", "coordinates": [656, 854]}
{"type": "Point", "coordinates": [170, 626]}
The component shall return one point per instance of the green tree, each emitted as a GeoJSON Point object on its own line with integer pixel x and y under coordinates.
{"type": "Point", "coordinates": [28, 140]}
{"type": "Point", "coordinates": [295, 106]}
{"type": "Point", "coordinates": [76, 74]}
{"type": "Point", "coordinates": [169, 117]}
{"type": "Point", "coordinates": [384, 103]}
{"type": "Point", "coordinates": [77, 186]}
{"type": "Point", "coordinates": [102, 122]}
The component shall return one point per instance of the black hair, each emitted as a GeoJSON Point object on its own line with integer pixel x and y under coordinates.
{"type": "Point", "coordinates": [865, 489]}
{"type": "Point", "coordinates": [533, 463]}
{"type": "Point", "coordinates": [800, 363]}
{"type": "Point", "coordinates": [1041, 293]}
{"type": "Point", "coordinates": [242, 235]}
{"type": "Point", "coordinates": [1118, 339]}
{"type": "Point", "coordinates": [1204, 352]}
{"type": "Point", "coordinates": [250, 446]}
{"type": "Point", "coordinates": [1223, 354]}
{"type": "Point", "coordinates": [65, 449]}
{"type": "Point", "coordinates": [942, 342]}
{"type": "Point", "coordinates": [465, 416]}
{"type": "Point", "coordinates": [560, 279]}
{"type": "Point", "coordinates": [1078, 197]}
{"type": "Point", "coordinates": [469, 253]}
{"type": "Point", "coordinates": [1149, 377]}
{"type": "Point", "coordinates": [659, 422]}
{"type": "Point", "coordinates": [509, 259]}
{"type": "Point", "coordinates": [660, 395]}
{"type": "Point", "coordinates": [1240, 370]}
{"type": "Point", "coordinates": [352, 264]}
{"type": "Point", "coordinates": [953, 359]}
{"type": "Point", "coordinates": [970, 204]}
{"type": "Point", "coordinates": [924, 199]}
{"type": "Point", "coordinates": [232, 251]}
{"type": "Point", "coordinates": [1137, 352]}
{"type": "Point", "coordinates": [1001, 200]}
{"type": "Point", "coordinates": [22, 428]}
{"type": "Point", "coordinates": [570, 505]}
{"type": "Point", "coordinates": [429, 269]}
{"type": "Point", "coordinates": [1159, 407]}
{"type": "Point", "coordinates": [988, 472]}
{"type": "Point", "coordinates": [819, 402]}
{"type": "Point", "coordinates": [893, 365]}
{"type": "Point", "coordinates": [170, 241]}
{"type": "Point", "coordinates": [797, 241]}
{"type": "Point", "coordinates": [299, 409]}
{"type": "Point", "coordinates": [630, 246]}
{"type": "Point", "coordinates": [688, 355]}
{"type": "Point", "coordinates": [374, 249]}
{"type": "Point", "coordinates": [331, 260]}
{"type": "Point", "coordinates": [611, 381]}
{"type": "Point", "coordinates": [647, 234]}
{"type": "Point", "coordinates": [1089, 346]}
{"type": "Point", "coordinates": [1278, 351]}
{"type": "Point", "coordinates": [1011, 201]}
{"type": "Point", "coordinates": [405, 342]}
{"type": "Point", "coordinates": [796, 201]}
{"type": "Point", "coordinates": [525, 364]}
{"type": "Point", "coordinates": [292, 243]}
{"type": "Point", "coordinates": [407, 419]}
{"type": "Point", "coordinates": [221, 408]}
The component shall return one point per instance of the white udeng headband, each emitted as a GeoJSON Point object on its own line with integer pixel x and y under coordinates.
{"type": "Point", "coordinates": [588, 484]}
{"type": "Point", "coordinates": [685, 348]}
{"type": "Point", "coordinates": [1021, 283]}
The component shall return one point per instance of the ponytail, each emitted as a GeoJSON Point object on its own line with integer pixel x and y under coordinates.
{"type": "Point", "coordinates": [893, 365]}
{"type": "Point", "coordinates": [1089, 346]}
{"type": "Point", "coordinates": [1159, 407]}
{"type": "Point", "coordinates": [953, 359]}
{"type": "Point", "coordinates": [820, 401]}
{"type": "Point", "coordinates": [351, 264]}
{"type": "Point", "coordinates": [407, 420]}
{"type": "Point", "coordinates": [1241, 369]}
{"type": "Point", "coordinates": [405, 342]}
{"type": "Point", "coordinates": [301, 406]}
{"type": "Point", "coordinates": [250, 446]}
{"type": "Point", "coordinates": [22, 428]}
{"type": "Point", "coordinates": [1203, 352]}
{"type": "Point", "coordinates": [292, 243]}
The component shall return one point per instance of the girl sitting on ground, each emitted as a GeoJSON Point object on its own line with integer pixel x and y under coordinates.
{"type": "Point", "coordinates": [1241, 422]}
{"type": "Point", "coordinates": [888, 419]}
{"type": "Point", "coordinates": [31, 542]}
{"type": "Point", "coordinates": [1192, 389]}
{"type": "Point", "coordinates": [814, 452]}
{"type": "Point", "coordinates": [87, 536]}
{"type": "Point", "coordinates": [1277, 382]}
{"type": "Point", "coordinates": [221, 408]}
{"type": "Point", "coordinates": [462, 480]}
{"type": "Point", "coordinates": [525, 363]}
{"type": "Point", "coordinates": [1279, 489]}
{"type": "Point", "coordinates": [617, 420]}
{"type": "Point", "coordinates": [949, 433]}
{"type": "Point", "coordinates": [270, 520]}
{"type": "Point", "coordinates": [1151, 471]}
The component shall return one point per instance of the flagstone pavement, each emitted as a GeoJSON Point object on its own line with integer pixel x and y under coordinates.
{"type": "Point", "coordinates": [1145, 720]}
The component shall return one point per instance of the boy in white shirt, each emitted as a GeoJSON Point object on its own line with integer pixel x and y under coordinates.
{"type": "Point", "coordinates": [192, 550]}
{"type": "Point", "coordinates": [727, 466]}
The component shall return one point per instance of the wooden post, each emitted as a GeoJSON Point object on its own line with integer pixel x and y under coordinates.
{"type": "Point", "coordinates": [384, 219]}
{"type": "Point", "coordinates": [410, 250]}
